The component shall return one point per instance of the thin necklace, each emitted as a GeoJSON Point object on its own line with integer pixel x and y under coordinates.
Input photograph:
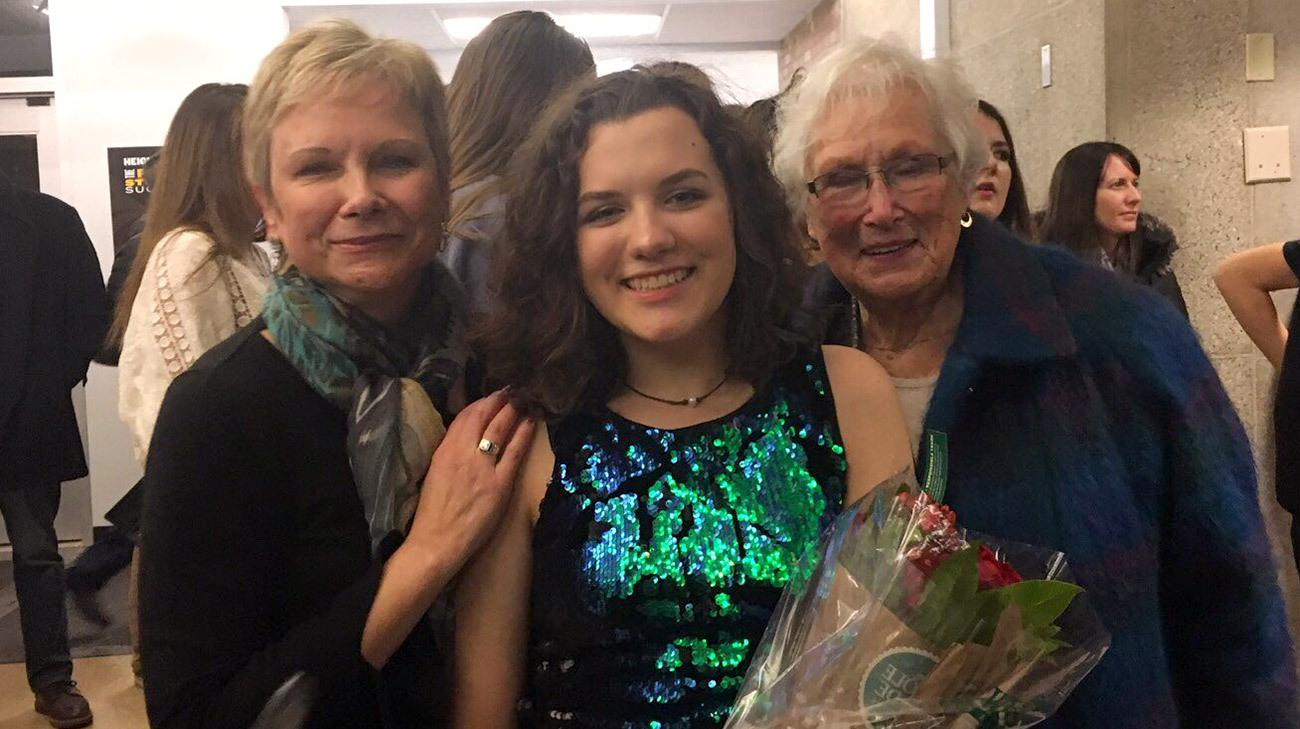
{"type": "Point", "coordinates": [688, 402]}
{"type": "Point", "coordinates": [860, 341]}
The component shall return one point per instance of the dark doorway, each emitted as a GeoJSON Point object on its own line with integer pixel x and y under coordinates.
{"type": "Point", "coordinates": [18, 160]}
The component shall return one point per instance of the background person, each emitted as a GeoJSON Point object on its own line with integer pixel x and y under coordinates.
{"type": "Point", "coordinates": [197, 275]}
{"type": "Point", "coordinates": [1094, 208]}
{"type": "Point", "coordinates": [53, 313]}
{"type": "Point", "coordinates": [111, 552]}
{"type": "Point", "coordinates": [503, 81]}
{"type": "Point", "coordinates": [1000, 189]}
{"type": "Point", "coordinates": [1246, 279]}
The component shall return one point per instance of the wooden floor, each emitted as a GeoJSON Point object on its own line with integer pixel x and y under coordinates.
{"type": "Point", "coordinates": [106, 682]}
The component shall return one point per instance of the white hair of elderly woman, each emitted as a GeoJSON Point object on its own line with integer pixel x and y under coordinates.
{"type": "Point", "coordinates": [873, 68]}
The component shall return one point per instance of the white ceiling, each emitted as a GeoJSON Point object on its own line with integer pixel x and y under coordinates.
{"type": "Point", "coordinates": [736, 23]}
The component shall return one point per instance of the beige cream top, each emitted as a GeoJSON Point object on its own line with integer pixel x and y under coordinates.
{"type": "Point", "coordinates": [915, 396]}
{"type": "Point", "coordinates": [188, 302]}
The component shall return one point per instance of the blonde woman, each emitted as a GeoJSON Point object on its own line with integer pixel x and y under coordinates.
{"type": "Point", "coordinates": [282, 531]}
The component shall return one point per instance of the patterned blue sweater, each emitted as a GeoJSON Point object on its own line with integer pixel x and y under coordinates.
{"type": "Point", "coordinates": [1084, 416]}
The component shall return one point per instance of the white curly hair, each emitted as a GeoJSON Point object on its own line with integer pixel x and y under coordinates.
{"type": "Point", "coordinates": [872, 68]}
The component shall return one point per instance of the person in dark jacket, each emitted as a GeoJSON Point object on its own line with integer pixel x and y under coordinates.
{"type": "Point", "coordinates": [111, 552]}
{"type": "Point", "coordinates": [1094, 208]}
{"type": "Point", "coordinates": [1151, 257]}
{"type": "Point", "coordinates": [122, 260]}
{"type": "Point", "coordinates": [1080, 411]}
{"type": "Point", "coordinates": [53, 315]}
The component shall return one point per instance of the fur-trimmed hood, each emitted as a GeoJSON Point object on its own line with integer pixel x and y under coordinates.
{"type": "Point", "coordinates": [1152, 246]}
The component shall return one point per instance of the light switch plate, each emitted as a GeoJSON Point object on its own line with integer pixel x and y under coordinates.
{"type": "Point", "coordinates": [1268, 154]}
{"type": "Point", "coordinates": [1047, 65]}
{"type": "Point", "coordinates": [1259, 57]}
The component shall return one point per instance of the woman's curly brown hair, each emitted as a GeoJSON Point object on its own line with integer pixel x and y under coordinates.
{"type": "Point", "coordinates": [544, 339]}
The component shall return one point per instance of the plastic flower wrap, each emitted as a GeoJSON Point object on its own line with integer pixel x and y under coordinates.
{"type": "Point", "coordinates": [902, 620]}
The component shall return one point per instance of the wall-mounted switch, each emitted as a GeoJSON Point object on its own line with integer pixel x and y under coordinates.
{"type": "Point", "coordinates": [1259, 57]}
{"type": "Point", "coordinates": [1268, 154]}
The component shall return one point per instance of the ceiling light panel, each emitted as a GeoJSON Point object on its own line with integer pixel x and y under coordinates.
{"type": "Point", "coordinates": [610, 25]}
{"type": "Point", "coordinates": [585, 25]}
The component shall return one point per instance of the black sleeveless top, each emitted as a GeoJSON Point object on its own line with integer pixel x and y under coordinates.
{"type": "Point", "coordinates": [1286, 406]}
{"type": "Point", "coordinates": [659, 555]}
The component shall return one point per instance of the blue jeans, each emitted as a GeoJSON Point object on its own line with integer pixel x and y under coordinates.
{"type": "Point", "coordinates": [38, 578]}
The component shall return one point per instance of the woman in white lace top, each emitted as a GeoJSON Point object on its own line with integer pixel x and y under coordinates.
{"type": "Point", "coordinates": [198, 276]}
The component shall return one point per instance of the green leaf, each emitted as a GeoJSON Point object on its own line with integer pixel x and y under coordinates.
{"type": "Point", "coordinates": [951, 608]}
{"type": "Point", "coordinates": [1041, 602]}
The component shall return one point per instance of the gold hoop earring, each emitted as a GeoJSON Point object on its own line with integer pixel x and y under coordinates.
{"type": "Point", "coordinates": [967, 220]}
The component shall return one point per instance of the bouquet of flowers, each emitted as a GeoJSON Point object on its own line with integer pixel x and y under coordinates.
{"type": "Point", "coordinates": [903, 620]}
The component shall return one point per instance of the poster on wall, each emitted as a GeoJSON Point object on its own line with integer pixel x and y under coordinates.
{"type": "Point", "coordinates": [128, 193]}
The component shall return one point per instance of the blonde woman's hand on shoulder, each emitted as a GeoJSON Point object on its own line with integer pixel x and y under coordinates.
{"type": "Point", "coordinates": [465, 493]}
{"type": "Point", "coordinates": [467, 487]}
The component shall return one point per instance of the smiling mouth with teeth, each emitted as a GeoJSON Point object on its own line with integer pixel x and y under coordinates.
{"type": "Point", "coordinates": [889, 249]}
{"type": "Point", "coordinates": [658, 281]}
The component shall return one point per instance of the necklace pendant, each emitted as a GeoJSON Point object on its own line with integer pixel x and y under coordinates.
{"type": "Point", "coordinates": [689, 402]}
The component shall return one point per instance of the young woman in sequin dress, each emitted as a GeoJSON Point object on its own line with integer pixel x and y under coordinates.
{"type": "Point", "coordinates": [694, 449]}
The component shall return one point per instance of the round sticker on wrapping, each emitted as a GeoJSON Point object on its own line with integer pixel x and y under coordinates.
{"type": "Point", "coordinates": [894, 675]}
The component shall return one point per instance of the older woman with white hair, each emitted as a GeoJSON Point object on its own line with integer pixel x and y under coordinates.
{"type": "Point", "coordinates": [1079, 412]}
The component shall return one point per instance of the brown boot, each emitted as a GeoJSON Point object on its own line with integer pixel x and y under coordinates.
{"type": "Point", "coordinates": [64, 705]}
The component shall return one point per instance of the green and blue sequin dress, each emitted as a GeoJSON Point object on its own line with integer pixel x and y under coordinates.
{"type": "Point", "coordinates": [659, 555]}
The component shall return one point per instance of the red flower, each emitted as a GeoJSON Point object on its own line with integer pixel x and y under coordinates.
{"type": "Point", "coordinates": [913, 581]}
{"type": "Point", "coordinates": [927, 558]}
{"type": "Point", "coordinates": [995, 573]}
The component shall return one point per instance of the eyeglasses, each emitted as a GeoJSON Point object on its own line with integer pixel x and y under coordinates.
{"type": "Point", "coordinates": [849, 186]}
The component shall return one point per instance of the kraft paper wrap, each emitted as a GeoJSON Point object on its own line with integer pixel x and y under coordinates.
{"type": "Point", "coordinates": [835, 698]}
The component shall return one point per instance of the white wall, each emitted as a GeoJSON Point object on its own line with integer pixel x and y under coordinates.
{"type": "Point", "coordinates": [120, 70]}
{"type": "Point", "coordinates": [742, 76]}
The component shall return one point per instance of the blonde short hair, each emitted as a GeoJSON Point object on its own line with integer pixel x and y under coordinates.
{"type": "Point", "coordinates": [871, 68]}
{"type": "Point", "coordinates": [329, 57]}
